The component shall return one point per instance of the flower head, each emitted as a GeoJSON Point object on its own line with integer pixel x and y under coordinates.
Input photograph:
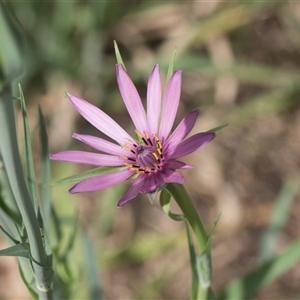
{"type": "Point", "coordinates": [152, 157]}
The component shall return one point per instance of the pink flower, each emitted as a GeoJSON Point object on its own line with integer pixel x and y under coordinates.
{"type": "Point", "coordinates": [152, 157]}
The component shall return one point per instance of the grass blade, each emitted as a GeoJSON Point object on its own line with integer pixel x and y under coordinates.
{"type": "Point", "coordinates": [245, 287]}
{"type": "Point", "coordinates": [280, 216]}
{"type": "Point", "coordinates": [31, 179]}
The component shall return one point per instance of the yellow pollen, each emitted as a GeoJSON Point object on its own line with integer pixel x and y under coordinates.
{"type": "Point", "coordinates": [147, 135]}
{"type": "Point", "coordinates": [159, 151]}
{"type": "Point", "coordinates": [156, 137]}
{"type": "Point", "coordinates": [131, 142]}
{"type": "Point", "coordinates": [155, 155]}
{"type": "Point", "coordinates": [123, 156]}
{"type": "Point", "coordinates": [126, 147]}
{"type": "Point", "coordinates": [159, 145]}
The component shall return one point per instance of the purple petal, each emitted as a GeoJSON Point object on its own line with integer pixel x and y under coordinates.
{"type": "Point", "coordinates": [133, 191]}
{"type": "Point", "coordinates": [100, 120]}
{"type": "Point", "coordinates": [101, 144]}
{"type": "Point", "coordinates": [154, 100]}
{"type": "Point", "coordinates": [89, 158]}
{"type": "Point", "coordinates": [183, 129]}
{"type": "Point", "coordinates": [172, 177]}
{"type": "Point", "coordinates": [192, 144]}
{"type": "Point", "coordinates": [170, 105]}
{"type": "Point", "coordinates": [175, 164]}
{"type": "Point", "coordinates": [132, 100]}
{"type": "Point", "coordinates": [151, 183]}
{"type": "Point", "coordinates": [101, 182]}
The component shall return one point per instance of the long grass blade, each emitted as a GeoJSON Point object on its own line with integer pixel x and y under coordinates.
{"type": "Point", "coordinates": [31, 178]}
{"type": "Point", "coordinates": [279, 217]}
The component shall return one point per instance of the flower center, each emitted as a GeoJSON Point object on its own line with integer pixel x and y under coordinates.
{"type": "Point", "coordinates": [148, 155]}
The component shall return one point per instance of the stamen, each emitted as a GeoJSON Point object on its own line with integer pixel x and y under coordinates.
{"type": "Point", "coordinates": [134, 168]}
{"type": "Point", "coordinates": [159, 151]}
{"type": "Point", "coordinates": [149, 140]}
{"type": "Point", "coordinates": [124, 157]}
{"type": "Point", "coordinates": [155, 155]}
{"type": "Point", "coordinates": [145, 141]}
{"type": "Point", "coordinates": [126, 147]}
{"type": "Point", "coordinates": [159, 144]}
{"type": "Point", "coordinates": [132, 143]}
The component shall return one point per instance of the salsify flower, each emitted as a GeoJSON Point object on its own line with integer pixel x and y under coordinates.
{"type": "Point", "coordinates": [152, 157]}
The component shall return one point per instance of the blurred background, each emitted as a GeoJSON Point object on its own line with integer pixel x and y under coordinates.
{"type": "Point", "coordinates": [240, 63]}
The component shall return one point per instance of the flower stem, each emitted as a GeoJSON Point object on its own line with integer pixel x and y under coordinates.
{"type": "Point", "coordinates": [199, 290]}
{"type": "Point", "coordinates": [182, 198]}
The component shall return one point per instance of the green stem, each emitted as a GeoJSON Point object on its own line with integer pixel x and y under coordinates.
{"type": "Point", "coordinates": [186, 205]}
{"type": "Point", "coordinates": [12, 162]}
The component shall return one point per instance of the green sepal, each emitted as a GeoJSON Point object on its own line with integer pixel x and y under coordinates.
{"type": "Point", "coordinates": [85, 175]}
{"type": "Point", "coordinates": [21, 249]}
{"type": "Point", "coordinates": [171, 65]}
{"type": "Point", "coordinates": [217, 128]}
{"type": "Point", "coordinates": [118, 55]}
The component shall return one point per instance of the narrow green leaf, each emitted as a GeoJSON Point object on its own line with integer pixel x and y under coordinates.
{"type": "Point", "coordinates": [171, 66]}
{"type": "Point", "coordinates": [165, 199]}
{"type": "Point", "coordinates": [8, 235]}
{"type": "Point", "coordinates": [91, 173]}
{"type": "Point", "coordinates": [31, 179]}
{"type": "Point", "coordinates": [245, 287]}
{"type": "Point", "coordinates": [7, 201]}
{"type": "Point", "coordinates": [45, 191]}
{"type": "Point", "coordinates": [118, 55]}
{"type": "Point", "coordinates": [17, 250]}
{"type": "Point", "coordinates": [279, 217]}
{"type": "Point", "coordinates": [45, 168]}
